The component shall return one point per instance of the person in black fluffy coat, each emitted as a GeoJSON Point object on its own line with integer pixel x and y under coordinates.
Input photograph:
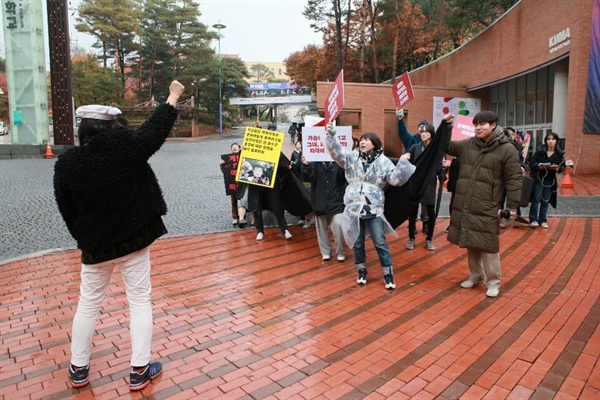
{"type": "Point", "coordinates": [112, 205]}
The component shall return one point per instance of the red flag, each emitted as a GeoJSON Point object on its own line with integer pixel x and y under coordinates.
{"type": "Point", "coordinates": [335, 100]}
{"type": "Point", "coordinates": [402, 90]}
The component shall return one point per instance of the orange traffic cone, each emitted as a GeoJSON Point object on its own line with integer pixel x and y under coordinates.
{"type": "Point", "coordinates": [48, 150]}
{"type": "Point", "coordinates": [567, 182]}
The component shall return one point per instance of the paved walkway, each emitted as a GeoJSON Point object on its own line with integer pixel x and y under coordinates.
{"type": "Point", "coordinates": [239, 319]}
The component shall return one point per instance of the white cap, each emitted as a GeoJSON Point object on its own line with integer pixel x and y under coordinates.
{"type": "Point", "coordinates": [95, 111]}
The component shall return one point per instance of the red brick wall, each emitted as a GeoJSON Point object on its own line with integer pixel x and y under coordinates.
{"type": "Point", "coordinates": [515, 44]}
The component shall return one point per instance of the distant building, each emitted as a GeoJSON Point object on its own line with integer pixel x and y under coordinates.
{"type": "Point", "coordinates": [277, 68]}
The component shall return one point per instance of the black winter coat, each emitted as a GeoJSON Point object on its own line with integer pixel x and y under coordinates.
{"type": "Point", "coordinates": [107, 193]}
{"type": "Point", "coordinates": [328, 185]}
{"type": "Point", "coordinates": [547, 176]}
{"type": "Point", "coordinates": [429, 197]}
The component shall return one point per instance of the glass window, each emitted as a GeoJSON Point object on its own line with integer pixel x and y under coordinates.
{"type": "Point", "coordinates": [530, 109]}
{"type": "Point", "coordinates": [494, 94]}
{"type": "Point", "coordinates": [520, 112]}
{"type": "Point", "coordinates": [501, 113]}
{"type": "Point", "coordinates": [521, 81]}
{"type": "Point", "coordinates": [512, 89]}
{"type": "Point", "coordinates": [531, 83]}
{"type": "Point", "coordinates": [542, 80]}
{"type": "Point", "coordinates": [540, 108]}
{"type": "Point", "coordinates": [502, 91]}
{"type": "Point", "coordinates": [520, 105]}
{"type": "Point", "coordinates": [510, 112]}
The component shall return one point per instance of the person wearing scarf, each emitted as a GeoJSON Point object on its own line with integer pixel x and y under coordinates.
{"type": "Point", "coordinates": [368, 173]}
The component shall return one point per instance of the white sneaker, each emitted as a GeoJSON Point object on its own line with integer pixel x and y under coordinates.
{"type": "Point", "coordinates": [287, 234]}
{"type": "Point", "coordinates": [326, 258]}
{"type": "Point", "coordinates": [260, 236]}
{"type": "Point", "coordinates": [468, 284]}
{"type": "Point", "coordinates": [235, 222]}
{"type": "Point", "coordinates": [341, 257]}
{"type": "Point", "coordinates": [493, 292]}
{"type": "Point", "coordinates": [534, 224]}
{"type": "Point", "coordinates": [544, 225]}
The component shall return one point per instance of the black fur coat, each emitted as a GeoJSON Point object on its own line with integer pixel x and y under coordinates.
{"type": "Point", "coordinates": [107, 193]}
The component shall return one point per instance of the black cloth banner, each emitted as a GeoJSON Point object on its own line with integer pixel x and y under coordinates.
{"type": "Point", "coordinates": [229, 170]}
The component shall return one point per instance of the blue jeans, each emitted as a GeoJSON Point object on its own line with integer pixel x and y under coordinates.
{"type": "Point", "coordinates": [541, 199]}
{"type": "Point", "coordinates": [377, 235]}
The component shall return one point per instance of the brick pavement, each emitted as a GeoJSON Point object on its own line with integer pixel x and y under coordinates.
{"type": "Point", "coordinates": [270, 320]}
{"type": "Point", "coordinates": [240, 320]}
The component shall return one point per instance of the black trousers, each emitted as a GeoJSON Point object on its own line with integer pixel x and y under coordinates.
{"type": "Point", "coordinates": [412, 221]}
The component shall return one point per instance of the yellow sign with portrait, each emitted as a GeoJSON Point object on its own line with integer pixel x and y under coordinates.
{"type": "Point", "coordinates": [259, 157]}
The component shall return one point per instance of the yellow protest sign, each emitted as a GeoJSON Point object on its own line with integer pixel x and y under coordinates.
{"type": "Point", "coordinates": [259, 157]}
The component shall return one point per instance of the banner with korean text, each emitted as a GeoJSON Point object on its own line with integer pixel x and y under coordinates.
{"type": "Point", "coordinates": [229, 168]}
{"type": "Point", "coordinates": [313, 144]}
{"type": "Point", "coordinates": [402, 90]}
{"type": "Point", "coordinates": [463, 128]}
{"type": "Point", "coordinates": [335, 100]}
{"type": "Point", "coordinates": [259, 157]}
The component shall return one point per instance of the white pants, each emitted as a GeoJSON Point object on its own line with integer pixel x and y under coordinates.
{"type": "Point", "coordinates": [484, 267]}
{"type": "Point", "coordinates": [135, 271]}
{"type": "Point", "coordinates": [322, 223]}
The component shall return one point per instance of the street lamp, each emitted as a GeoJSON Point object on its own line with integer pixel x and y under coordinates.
{"type": "Point", "coordinates": [220, 26]}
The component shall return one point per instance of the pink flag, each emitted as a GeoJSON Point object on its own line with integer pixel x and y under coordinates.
{"type": "Point", "coordinates": [463, 128]}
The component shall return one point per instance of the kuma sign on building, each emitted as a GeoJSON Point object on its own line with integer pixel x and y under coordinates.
{"type": "Point", "coordinates": [559, 40]}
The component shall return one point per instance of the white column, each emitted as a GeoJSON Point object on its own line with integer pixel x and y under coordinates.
{"type": "Point", "coordinates": [561, 87]}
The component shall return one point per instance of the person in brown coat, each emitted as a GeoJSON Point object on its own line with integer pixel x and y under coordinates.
{"type": "Point", "coordinates": [489, 165]}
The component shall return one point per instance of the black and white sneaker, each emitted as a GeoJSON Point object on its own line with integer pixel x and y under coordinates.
{"type": "Point", "coordinates": [79, 375]}
{"type": "Point", "coordinates": [139, 380]}
{"type": "Point", "coordinates": [389, 281]}
{"type": "Point", "coordinates": [362, 277]}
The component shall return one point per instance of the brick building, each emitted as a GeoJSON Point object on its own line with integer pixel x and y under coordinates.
{"type": "Point", "coordinates": [530, 67]}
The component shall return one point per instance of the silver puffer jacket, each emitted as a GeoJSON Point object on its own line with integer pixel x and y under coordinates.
{"type": "Point", "coordinates": [366, 186]}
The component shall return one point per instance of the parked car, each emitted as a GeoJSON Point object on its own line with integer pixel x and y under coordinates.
{"type": "Point", "coordinates": [3, 128]}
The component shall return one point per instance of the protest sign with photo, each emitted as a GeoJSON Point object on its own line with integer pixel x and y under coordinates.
{"type": "Point", "coordinates": [463, 128]}
{"type": "Point", "coordinates": [259, 157]}
{"type": "Point", "coordinates": [402, 90]}
{"type": "Point", "coordinates": [335, 100]}
{"type": "Point", "coordinates": [313, 146]}
{"type": "Point", "coordinates": [229, 168]}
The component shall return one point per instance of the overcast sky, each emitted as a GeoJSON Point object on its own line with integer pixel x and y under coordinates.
{"type": "Point", "coordinates": [257, 30]}
{"type": "Point", "coordinates": [260, 30]}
